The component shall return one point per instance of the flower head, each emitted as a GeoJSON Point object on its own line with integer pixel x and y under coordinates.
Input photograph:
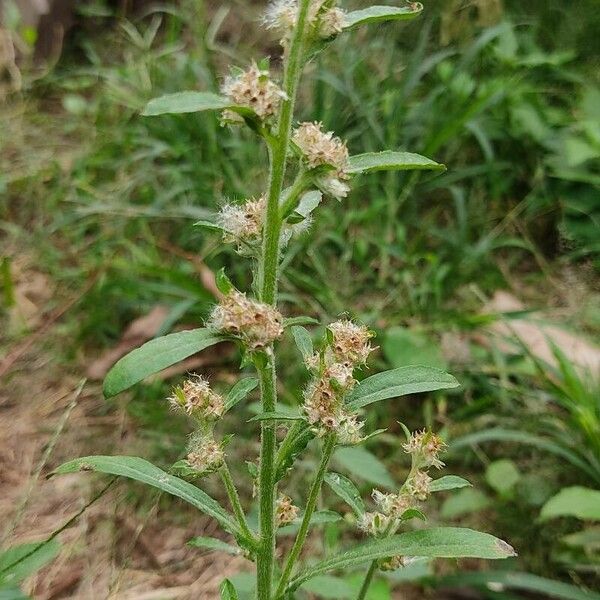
{"type": "Point", "coordinates": [256, 323]}
{"type": "Point", "coordinates": [349, 431]}
{"type": "Point", "coordinates": [331, 22]}
{"type": "Point", "coordinates": [254, 89]}
{"type": "Point", "coordinates": [350, 341]}
{"type": "Point", "coordinates": [197, 400]}
{"type": "Point", "coordinates": [286, 512]}
{"type": "Point", "coordinates": [242, 222]}
{"type": "Point", "coordinates": [418, 485]}
{"type": "Point", "coordinates": [373, 523]}
{"type": "Point", "coordinates": [392, 505]}
{"type": "Point", "coordinates": [321, 148]}
{"type": "Point", "coordinates": [206, 457]}
{"type": "Point", "coordinates": [425, 448]}
{"type": "Point", "coordinates": [281, 15]}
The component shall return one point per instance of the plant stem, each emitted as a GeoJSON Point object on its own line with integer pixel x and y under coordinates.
{"type": "Point", "coordinates": [311, 503]}
{"type": "Point", "coordinates": [236, 505]}
{"type": "Point", "coordinates": [268, 271]}
{"type": "Point", "coordinates": [367, 581]}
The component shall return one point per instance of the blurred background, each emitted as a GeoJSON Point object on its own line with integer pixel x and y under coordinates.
{"type": "Point", "coordinates": [490, 270]}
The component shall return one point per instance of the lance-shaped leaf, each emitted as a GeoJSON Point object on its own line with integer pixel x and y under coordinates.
{"type": "Point", "coordinates": [185, 102]}
{"type": "Point", "coordinates": [19, 562]}
{"type": "Point", "coordinates": [391, 161]}
{"type": "Point", "coordinates": [303, 341]}
{"type": "Point", "coordinates": [228, 591]}
{"type": "Point", "coordinates": [277, 415]}
{"type": "Point", "coordinates": [399, 382]}
{"type": "Point", "coordinates": [440, 542]}
{"type": "Point", "coordinates": [378, 14]}
{"type": "Point", "coordinates": [448, 482]}
{"type": "Point", "coordinates": [139, 469]}
{"type": "Point", "coordinates": [156, 355]}
{"type": "Point", "coordinates": [214, 544]}
{"type": "Point", "coordinates": [239, 391]}
{"type": "Point", "coordinates": [346, 490]}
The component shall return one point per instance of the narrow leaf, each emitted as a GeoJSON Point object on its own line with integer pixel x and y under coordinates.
{"type": "Point", "coordinates": [378, 14]}
{"type": "Point", "coordinates": [346, 490]}
{"type": "Point", "coordinates": [582, 503]}
{"type": "Point", "coordinates": [227, 591]}
{"type": "Point", "coordinates": [185, 102]}
{"type": "Point", "coordinates": [399, 382]}
{"type": "Point", "coordinates": [156, 355]}
{"type": "Point", "coordinates": [319, 517]}
{"type": "Point", "coordinates": [239, 391]}
{"type": "Point", "coordinates": [296, 440]}
{"type": "Point", "coordinates": [139, 469]}
{"type": "Point", "coordinates": [209, 225]}
{"type": "Point", "coordinates": [276, 416]}
{"type": "Point", "coordinates": [291, 321]}
{"type": "Point", "coordinates": [364, 464]}
{"type": "Point", "coordinates": [449, 482]}
{"type": "Point", "coordinates": [214, 544]}
{"type": "Point", "coordinates": [392, 161]}
{"type": "Point", "coordinates": [19, 562]}
{"type": "Point", "coordinates": [439, 542]}
{"type": "Point", "coordinates": [303, 341]}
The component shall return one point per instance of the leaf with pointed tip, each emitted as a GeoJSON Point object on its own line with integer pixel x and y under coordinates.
{"type": "Point", "coordinates": [303, 341]}
{"type": "Point", "coordinates": [209, 225]}
{"type": "Point", "coordinates": [214, 544]}
{"type": "Point", "coordinates": [391, 161]}
{"type": "Point", "coordinates": [346, 490]}
{"type": "Point", "coordinates": [277, 416]}
{"type": "Point", "coordinates": [439, 542]}
{"type": "Point", "coordinates": [399, 382]}
{"type": "Point", "coordinates": [239, 391]}
{"type": "Point", "coordinates": [378, 14]}
{"type": "Point", "coordinates": [227, 591]}
{"type": "Point", "coordinates": [139, 469]}
{"type": "Point", "coordinates": [449, 482]}
{"type": "Point", "coordinates": [362, 463]}
{"type": "Point", "coordinates": [185, 102]}
{"type": "Point", "coordinates": [156, 355]}
{"type": "Point", "coordinates": [19, 562]}
{"type": "Point", "coordinates": [292, 321]}
{"type": "Point", "coordinates": [319, 517]}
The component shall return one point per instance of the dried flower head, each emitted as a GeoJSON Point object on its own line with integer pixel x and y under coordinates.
{"type": "Point", "coordinates": [393, 563]}
{"type": "Point", "coordinates": [242, 222]}
{"type": "Point", "coordinates": [281, 15]}
{"type": "Point", "coordinates": [349, 431]}
{"type": "Point", "coordinates": [331, 23]}
{"type": "Point", "coordinates": [197, 400]}
{"type": "Point", "coordinates": [341, 373]}
{"type": "Point", "coordinates": [286, 512]}
{"type": "Point", "coordinates": [373, 523]}
{"type": "Point", "coordinates": [256, 323]}
{"type": "Point", "coordinates": [322, 148]}
{"type": "Point", "coordinates": [254, 89]}
{"type": "Point", "coordinates": [331, 185]}
{"type": "Point", "coordinates": [392, 505]}
{"type": "Point", "coordinates": [322, 404]}
{"type": "Point", "coordinates": [418, 485]}
{"type": "Point", "coordinates": [206, 457]}
{"type": "Point", "coordinates": [350, 341]}
{"type": "Point", "coordinates": [425, 448]}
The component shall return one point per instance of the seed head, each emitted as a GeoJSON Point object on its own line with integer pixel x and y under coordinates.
{"type": "Point", "coordinates": [331, 23]}
{"type": "Point", "coordinates": [206, 457]}
{"type": "Point", "coordinates": [392, 505]}
{"type": "Point", "coordinates": [256, 323]}
{"type": "Point", "coordinates": [281, 15]}
{"type": "Point", "coordinates": [425, 447]}
{"type": "Point", "coordinates": [242, 222]}
{"type": "Point", "coordinates": [197, 400]}
{"type": "Point", "coordinates": [341, 373]}
{"type": "Point", "coordinates": [373, 523]}
{"type": "Point", "coordinates": [286, 512]}
{"type": "Point", "coordinates": [418, 485]}
{"type": "Point", "coordinates": [322, 405]}
{"type": "Point", "coordinates": [349, 431]}
{"type": "Point", "coordinates": [254, 89]}
{"type": "Point", "coordinates": [350, 341]}
{"type": "Point", "coordinates": [321, 148]}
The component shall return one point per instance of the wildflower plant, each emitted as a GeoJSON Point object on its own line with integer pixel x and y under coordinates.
{"type": "Point", "coordinates": [307, 163]}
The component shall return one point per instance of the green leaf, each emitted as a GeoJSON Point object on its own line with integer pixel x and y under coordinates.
{"type": "Point", "coordinates": [19, 562]}
{"type": "Point", "coordinates": [439, 542]}
{"type": "Point", "coordinates": [291, 321]}
{"type": "Point", "coordinates": [403, 347]}
{"type": "Point", "coordinates": [502, 476]}
{"type": "Point", "coordinates": [308, 202]}
{"type": "Point", "coordinates": [214, 544]}
{"type": "Point", "coordinates": [303, 341]}
{"type": "Point", "coordinates": [223, 282]}
{"type": "Point", "coordinates": [465, 502]}
{"type": "Point", "coordinates": [378, 14]}
{"type": "Point", "coordinates": [582, 503]}
{"type": "Point", "coordinates": [346, 490]}
{"type": "Point", "coordinates": [449, 482]}
{"type": "Point", "coordinates": [326, 586]}
{"type": "Point", "coordinates": [296, 440]}
{"type": "Point", "coordinates": [209, 225]}
{"type": "Point", "coordinates": [185, 102]}
{"type": "Point", "coordinates": [12, 593]}
{"type": "Point", "coordinates": [156, 355]}
{"type": "Point", "coordinates": [391, 161]}
{"type": "Point", "coordinates": [319, 517]}
{"type": "Point", "coordinates": [144, 471]}
{"type": "Point", "coordinates": [363, 464]}
{"type": "Point", "coordinates": [277, 416]}
{"type": "Point", "coordinates": [227, 591]}
{"type": "Point", "coordinates": [239, 391]}
{"type": "Point", "coordinates": [399, 382]}
{"type": "Point", "coordinates": [413, 513]}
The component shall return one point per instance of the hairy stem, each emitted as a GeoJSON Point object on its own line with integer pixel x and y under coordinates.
{"type": "Point", "coordinates": [364, 588]}
{"type": "Point", "coordinates": [268, 271]}
{"type": "Point", "coordinates": [236, 505]}
{"type": "Point", "coordinates": [310, 508]}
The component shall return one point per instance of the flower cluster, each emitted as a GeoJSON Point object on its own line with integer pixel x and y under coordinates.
{"type": "Point", "coordinates": [323, 149]}
{"type": "Point", "coordinates": [418, 485]}
{"type": "Point", "coordinates": [326, 22]}
{"type": "Point", "coordinates": [256, 323]}
{"type": "Point", "coordinates": [205, 456]}
{"type": "Point", "coordinates": [324, 407]}
{"type": "Point", "coordinates": [252, 89]}
{"type": "Point", "coordinates": [285, 512]}
{"type": "Point", "coordinates": [393, 563]}
{"type": "Point", "coordinates": [197, 400]}
{"type": "Point", "coordinates": [425, 447]}
{"type": "Point", "coordinates": [242, 223]}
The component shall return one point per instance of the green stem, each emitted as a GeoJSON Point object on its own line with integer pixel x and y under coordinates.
{"type": "Point", "coordinates": [367, 581]}
{"type": "Point", "coordinates": [311, 503]}
{"type": "Point", "coordinates": [290, 202]}
{"type": "Point", "coordinates": [236, 505]}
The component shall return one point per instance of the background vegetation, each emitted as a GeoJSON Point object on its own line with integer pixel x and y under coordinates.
{"type": "Point", "coordinates": [481, 270]}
